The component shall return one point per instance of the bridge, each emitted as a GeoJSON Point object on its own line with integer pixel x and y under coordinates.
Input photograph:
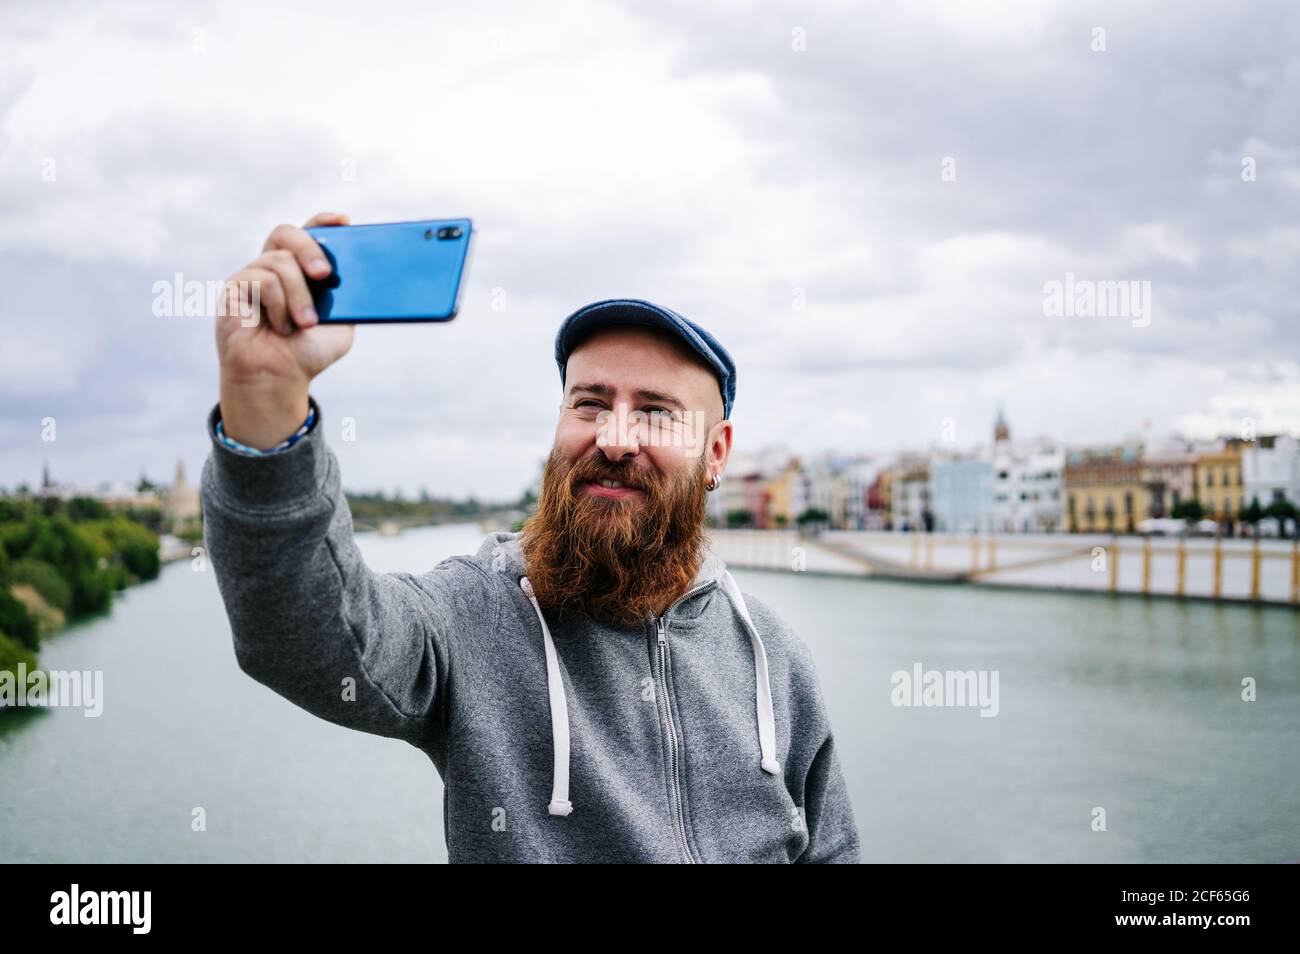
{"type": "Point", "coordinates": [1246, 570]}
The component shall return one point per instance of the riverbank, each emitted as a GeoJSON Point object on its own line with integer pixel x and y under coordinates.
{"type": "Point", "coordinates": [62, 561]}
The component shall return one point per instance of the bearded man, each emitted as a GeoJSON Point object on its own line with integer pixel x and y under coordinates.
{"type": "Point", "coordinates": [594, 688]}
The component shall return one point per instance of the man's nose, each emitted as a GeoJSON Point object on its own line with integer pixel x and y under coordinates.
{"type": "Point", "coordinates": [619, 434]}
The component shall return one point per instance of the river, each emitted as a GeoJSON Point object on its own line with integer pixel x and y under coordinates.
{"type": "Point", "coordinates": [1127, 705]}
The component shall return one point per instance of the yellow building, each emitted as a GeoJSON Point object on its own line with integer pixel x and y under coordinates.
{"type": "Point", "coordinates": [1219, 484]}
{"type": "Point", "coordinates": [1104, 491]}
{"type": "Point", "coordinates": [786, 496]}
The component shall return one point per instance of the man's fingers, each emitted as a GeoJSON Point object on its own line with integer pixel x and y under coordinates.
{"type": "Point", "coordinates": [271, 295]}
{"type": "Point", "coordinates": [311, 259]}
{"type": "Point", "coordinates": [297, 295]}
{"type": "Point", "coordinates": [253, 295]}
{"type": "Point", "coordinates": [241, 299]}
{"type": "Point", "coordinates": [289, 257]}
{"type": "Point", "coordinates": [328, 218]}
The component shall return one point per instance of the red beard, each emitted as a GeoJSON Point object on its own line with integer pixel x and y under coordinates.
{"type": "Point", "coordinates": [617, 561]}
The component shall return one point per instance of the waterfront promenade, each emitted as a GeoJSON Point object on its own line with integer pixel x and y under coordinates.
{"type": "Point", "coordinates": [1261, 571]}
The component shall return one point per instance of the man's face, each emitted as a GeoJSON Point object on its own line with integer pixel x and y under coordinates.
{"type": "Point", "coordinates": [641, 402]}
{"type": "Point", "coordinates": [619, 524]}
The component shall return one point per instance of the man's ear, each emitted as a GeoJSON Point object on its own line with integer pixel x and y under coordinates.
{"type": "Point", "coordinates": [719, 447]}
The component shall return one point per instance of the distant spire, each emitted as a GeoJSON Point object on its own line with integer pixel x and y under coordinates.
{"type": "Point", "coordinates": [1000, 430]}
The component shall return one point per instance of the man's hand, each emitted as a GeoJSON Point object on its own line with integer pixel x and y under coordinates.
{"type": "Point", "coordinates": [269, 340]}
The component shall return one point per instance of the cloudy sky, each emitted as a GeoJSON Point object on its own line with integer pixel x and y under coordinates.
{"type": "Point", "coordinates": [863, 201]}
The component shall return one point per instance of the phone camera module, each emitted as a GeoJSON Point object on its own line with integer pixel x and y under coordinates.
{"type": "Point", "coordinates": [447, 232]}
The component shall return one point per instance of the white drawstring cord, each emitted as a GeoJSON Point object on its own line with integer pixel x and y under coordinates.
{"type": "Point", "coordinates": [762, 688]}
{"type": "Point", "coordinates": [560, 804]}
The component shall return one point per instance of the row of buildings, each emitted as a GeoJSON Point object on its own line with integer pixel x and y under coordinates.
{"type": "Point", "coordinates": [1036, 486]}
{"type": "Point", "coordinates": [178, 504]}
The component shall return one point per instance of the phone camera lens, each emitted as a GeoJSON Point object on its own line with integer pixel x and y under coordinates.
{"type": "Point", "coordinates": [428, 233]}
{"type": "Point", "coordinates": [449, 232]}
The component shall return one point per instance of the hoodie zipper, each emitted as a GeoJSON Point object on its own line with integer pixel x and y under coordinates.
{"type": "Point", "coordinates": [679, 813]}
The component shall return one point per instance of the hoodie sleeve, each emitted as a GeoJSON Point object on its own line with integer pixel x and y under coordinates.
{"type": "Point", "coordinates": [832, 830]}
{"type": "Point", "coordinates": [370, 651]}
{"type": "Point", "coordinates": [828, 812]}
{"type": "Point", "coordinates": [814, 775]}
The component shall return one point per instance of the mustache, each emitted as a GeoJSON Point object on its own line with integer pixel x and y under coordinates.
{"type": "Point", "coordinates": [601, 468]}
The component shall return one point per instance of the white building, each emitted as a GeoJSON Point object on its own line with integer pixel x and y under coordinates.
{"type": "Point", "coordinates": [861, 474]}
{"type": "Point", "coordinates": [731, 493]}
{"type": "Point", "coordinates": [1028, 495]}
{"type": "Point", "coordinates": [1270, 468]}
{"type": "Point", "coordinates": [838, 485]}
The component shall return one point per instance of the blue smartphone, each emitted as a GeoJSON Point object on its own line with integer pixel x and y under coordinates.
{"type": "Point", "coordinates": [392, 271]}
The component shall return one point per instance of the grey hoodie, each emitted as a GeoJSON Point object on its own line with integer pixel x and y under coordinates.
{"type": "Point", "coordinates": [701, 736]}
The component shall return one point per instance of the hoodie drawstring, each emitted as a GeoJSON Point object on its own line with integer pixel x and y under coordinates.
{"type": "Point", "coordinates": [762, 687]}
{"type": "Point", "coordinates": [560, 804]}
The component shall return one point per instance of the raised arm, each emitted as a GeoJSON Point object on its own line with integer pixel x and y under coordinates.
{"type": "Point", "coordinates": [372, 651]}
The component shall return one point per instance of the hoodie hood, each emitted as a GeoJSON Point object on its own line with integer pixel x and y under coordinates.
{"type": "Point", "coordinates": [503, 551]}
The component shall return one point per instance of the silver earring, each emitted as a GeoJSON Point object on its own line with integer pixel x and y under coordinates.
{"type": "Point", "coordinates": [714, 482]}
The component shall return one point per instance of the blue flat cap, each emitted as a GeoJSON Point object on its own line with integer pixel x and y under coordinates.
{"type": "Point", "coordinates": [614, 312]}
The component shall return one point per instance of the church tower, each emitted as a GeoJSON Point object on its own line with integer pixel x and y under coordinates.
{"type": "Point", "coordinates": [180, 500]}
{"type": "Point", "coordinates": [1001, 433]}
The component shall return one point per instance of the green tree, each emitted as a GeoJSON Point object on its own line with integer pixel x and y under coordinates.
{"type": "Point", "coordinates": [813, 515]}
{"type": "Point", "coordinates": [58, 541]}
{"type": "Point", "coordinates": [151, 517]}
{"type": "Point", "coordinates": [739, 518]}
{"type": "Point", "coordinates": [124, 542]}
{"type": "Point", "coordinates": [45, 579]}
{"type": "Point", "coordinates": [17, 622]}
{"type": "Point", "coordinates": [87, 508]}
{"type": "Point", "coordinates": [1282, 510]}
{"type": "Point", "coordinates": [12, 653]}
